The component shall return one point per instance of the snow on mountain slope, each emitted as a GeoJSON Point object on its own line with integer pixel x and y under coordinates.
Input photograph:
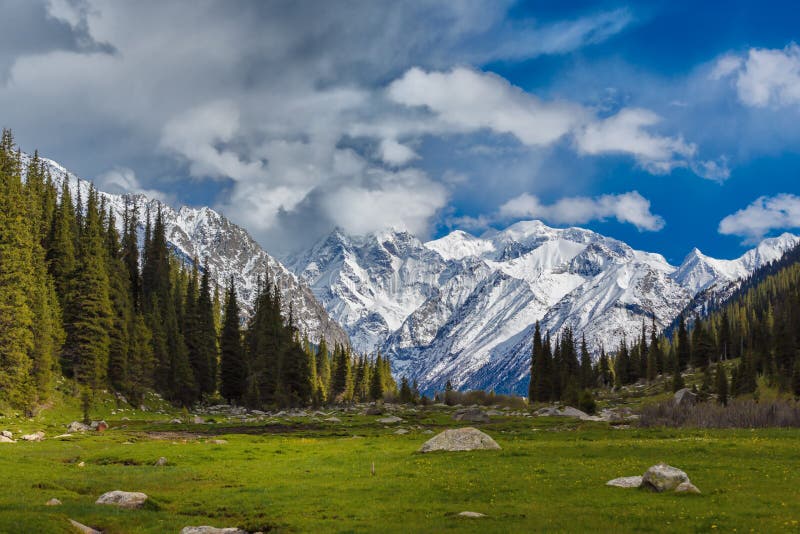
{"type": "Point", "coordinates": [230, 251]}
{"type": "Point", "coordinates": [462, 308]}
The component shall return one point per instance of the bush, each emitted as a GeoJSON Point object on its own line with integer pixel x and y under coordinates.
{"type": "Point", "coordinates": [739, 413]}
{"type": "Point", "coordinates": [587, 403]}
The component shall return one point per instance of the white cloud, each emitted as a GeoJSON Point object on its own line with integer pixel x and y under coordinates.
{"type": "Point", "coordinates": [631, 208]}
{"type": "Point", "coordinates": [466, 100]}
{"type": "Point", "coordinates": [765, 77]}
{"type": "Point", "coordinates": [395, 153]}
{"type": "Point", "coordinates": [764, 215]}
{"type": "Point", "coordinates": [405, 200]}
{"type": "Point", "coordinates": [625, 132]}
{"type": "Point", "coordinates": [122, 180]}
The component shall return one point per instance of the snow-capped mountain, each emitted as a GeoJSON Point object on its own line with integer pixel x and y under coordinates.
{"type": "Point", "coordinates": [230, 251]}
{"type": "Point", "coordinates": [463, 307]}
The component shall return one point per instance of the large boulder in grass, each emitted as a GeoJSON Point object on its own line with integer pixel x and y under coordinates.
{"type": "Point", "coordinates": [77, 426]}
{"type": "Point", "coordinates": [684, 398]}
{"type": "Point", "coordinates": [123, 499]}
{"type": "Point", "coordinates": [460, 439]}
{"type": "Point", "coordinates": [663, 477]}
{"type": "Point", "coordinates": [36, 436]}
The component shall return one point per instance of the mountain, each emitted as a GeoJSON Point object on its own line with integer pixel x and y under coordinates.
{"type": "Point", "coordinates": [230, 251]}
{"type": "Point", "coordinates": [463, 307]}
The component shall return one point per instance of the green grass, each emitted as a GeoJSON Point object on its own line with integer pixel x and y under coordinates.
{"type": "Point", "coordinates": [315, 477]}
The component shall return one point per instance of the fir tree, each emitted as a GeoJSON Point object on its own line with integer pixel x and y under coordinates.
{"type": "Point", "coordinates": [233, 372]}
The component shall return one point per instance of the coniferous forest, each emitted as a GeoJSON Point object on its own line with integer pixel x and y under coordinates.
{"type": "Point", "coordinates": [82, 300]}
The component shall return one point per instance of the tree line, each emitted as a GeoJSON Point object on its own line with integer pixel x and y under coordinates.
{"type": "Point", "coordinates": [81, 299]}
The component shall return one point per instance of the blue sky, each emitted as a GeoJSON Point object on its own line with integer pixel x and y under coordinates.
{"type": "Point", "coordinates": [668, 125]}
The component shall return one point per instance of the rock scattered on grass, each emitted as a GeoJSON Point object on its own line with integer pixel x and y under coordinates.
{"type": "Point", "coordinates": [212, 530]}
{"type": "Point", "coordinates": [218, 441]}
{"type": "Point", "coordinates": [161, 462]}
{"type": "Point", "coordinates": [471, 515]}
{"type": "Point", "coordinates": [53, 502]}
{"type": "Point", "coordinates": [333, 420]}
{"type": "Point", "coordinates": [460, 439]}
{"type": "Point", "coordinates": [389, 420]}
{"type": "Point", "coordinates": [4, 439]}
{"type": "Point", "coordinates": [123, 499]}
{"type": "Point", "coordinates": [82, 464]}
{"type": "Point", "coordinates": [83, 528]}
{"type": "Point", "coordinates": [687, 487]}
{"type": "Point", "coordinates": [564, 411]}
{"type": "Point", "coordinates": [77, 426]}
{"type": "Point", "coordinates": [684, 397]}
{"type": "Point", "coordinates": [401, 431]}
{"type": "Point", "coordinates": [197, 420]}
{"type": "Point", "coordinates": [36, 436]}
{"type": "Point", "coordinates": [662, 477]}
{"type": "Point", "coordinates": [7, 434]}
{"type": "Point", "coordinates": [626, 482]}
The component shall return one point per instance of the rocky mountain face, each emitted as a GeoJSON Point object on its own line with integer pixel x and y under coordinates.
{"type": "Point", "coordinates": [463, 308]}
{"type": "Point", "coordinates": [230, 251]}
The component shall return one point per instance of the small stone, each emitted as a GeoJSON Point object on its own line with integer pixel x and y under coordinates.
{"type": "Point", "coordinates": [401, 431]}
{"type": "Point", "coordinates": [389, 420]}
{"type": "Point", "coordinates": [4, 439]}
{"type": "Point", "coordinates": [333, 420]}
{"type": "Point", "coordinates": [36, 436]}
{"type": "Point", "coordinates": [471, 515]}
{"type": "Point", "coordinates": [212, 530]}
{"type": "Point", "coordinates": [217, 441]}
{"type": "Point", "coordinates": [161, 462]}
{"type": "Point", "coordinates": [82, 464]}
{"type": "Point", "coordinates": [625, 482]}
{"type": "Point", "coordinates": [83, 528]}
{"type": "Point", "coordinates": [6, 434]}
{"type": "Point", "coordinates": [53, 502]}
{"type": "Point", "coordinates": [687, 487]}
{"type": "Point", "coordinates": [123, 499]}
{"type": "Point", "coordinates": [197, 420]}
{"type": "Point", "coordinates": [175, 421]}
{"type": "Point", "coordinates": [77, 426]}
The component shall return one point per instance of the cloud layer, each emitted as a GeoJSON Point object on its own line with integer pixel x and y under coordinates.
{"type": "Point", "coordinates": [764, 215]}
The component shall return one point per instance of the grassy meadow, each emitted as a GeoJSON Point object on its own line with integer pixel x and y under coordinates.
{"type": "Point", "coordinates": [309, 475]}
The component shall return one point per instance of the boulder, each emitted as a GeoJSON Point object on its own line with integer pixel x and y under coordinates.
{"type": "Point", "coordinates": [565, 411]}
{"type": "Point", "coordinates": [83, 529]}
{"type": "Point", "coordinates": [460, 439]}
{"type": "Point", "coordinates": [175, 421]}
{"type": "Point", "coordinates": [625, 482]}
{"type": "Point", "coordinates": [374, 410]}
{"type": "Point", "coordinates": [77, 426]}
{"type": "Point", "coordinates": [212, 530]}
{"type": "Point", "coordinates": [389, 420]}
{"type": "Point", "coordinates": [333, 420]}
{"type": "Point", "coordinates": [687, 487]}
{"type": "Point", "coordinates": [401, 431]}
{"type": "Point", "coordinates": [663, 477]}
{"type": "Point", "coordinates": [471, 515]}
{"type": "Point", "coordinates": [161, 462]}
{"type": "Point", "coordinates": [472, 415]}
{"type": "Point", "coordinates": [36, 436]}
{"type": "Point", "coordinates": [7, 434]}
{"type": "Point", "coordinates": [4, 439]}
{"type": "Point", "coordinates": [684, 397]}
{"type": "Point", "coordinates": [123, 499]}
{"type": "Point", "coordinates": [53, 502]}
{"type": "Point", "coordinates": [197, 420]}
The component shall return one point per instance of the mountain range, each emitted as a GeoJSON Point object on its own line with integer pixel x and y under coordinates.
{"type": "Point", "coordinates": [463, 308]}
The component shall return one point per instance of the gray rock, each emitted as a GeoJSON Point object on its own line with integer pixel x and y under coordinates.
{"type": "Point", "coordinates": [472, 415]}
{"type": "Point", "coordinates": [218, 441]}
{"type": "Point", "coordinates": [333, 420]}
{"type": "Point", "coordinates": [123, 499]}
{"type": "Point", "coordinates": [684, 397]}
{"type": "Point", "coordinates": [53, 502]}
{"type": "Point", "coordinates": [663, 477]}
{"type": "Point", "coordinates": [374, 410]}
{"type": "Point", "coordinates": [401, 431]}
{"type": "Point", "coordinates": [99, 426]}
{"type": "Point", "coordinates": [7, 434]}
{"type": "Point", "coordinates": [565, 411]}
{"type": "Point", "coordinates": [625, 482]}
{"type": "Point", "coordinates": [460, 439]}
{"type": "Point", "coordinates": [212, 530]}
{"type": "Point", "coordinates": [389, 420]}
{"type": "Point", "coordinates": [77, 426]}
{"type": "Point", "coordinates": [161, 462]}
{"type": "Point", "coordinates": [83, 528]}
{"type": "Point", "coordinates": [175, 421]}
{"type": "Point", "coordinates": [471, 515]}
{"type": "Point", "coordinates": [36, 436]}
{"type": "Point", "coordinates": [197, 420]}
{"type": "Point", "coordinates": [687, 487]}
{"type": "Point", "coordinates": [4, 439]}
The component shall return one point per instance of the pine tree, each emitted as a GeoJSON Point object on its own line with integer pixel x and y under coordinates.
{"type": "Point", "coordinates": [406, 395]}
{"type": "Point", "coordinates": [722, 384]}
{"type": "Point", "coordinates": [233, 371]}
{"type": "Point", "coordinates": [376, 383]}
{"type": "Point", "coordinates": [684, 348]}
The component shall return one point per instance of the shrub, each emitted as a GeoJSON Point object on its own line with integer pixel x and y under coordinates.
{"type": "Point", "coordinates": [740, 413]}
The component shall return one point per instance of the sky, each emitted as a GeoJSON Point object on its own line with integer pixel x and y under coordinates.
{"type": "Point", "coordinates": [667, 125]}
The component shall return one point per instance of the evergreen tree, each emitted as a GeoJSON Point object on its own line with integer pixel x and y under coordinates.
{"type": "Point", "coordinates": [233, 372]}
{"type": "Point", "coordinates": [722, 384]}
{"type": "Point", "coordinates": [684, 351]}
{"type": "Point", "coordinates": [376, 383]}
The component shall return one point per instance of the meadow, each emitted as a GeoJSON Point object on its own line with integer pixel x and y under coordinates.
{"type": "Point", "coordinates": [306, 474]}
